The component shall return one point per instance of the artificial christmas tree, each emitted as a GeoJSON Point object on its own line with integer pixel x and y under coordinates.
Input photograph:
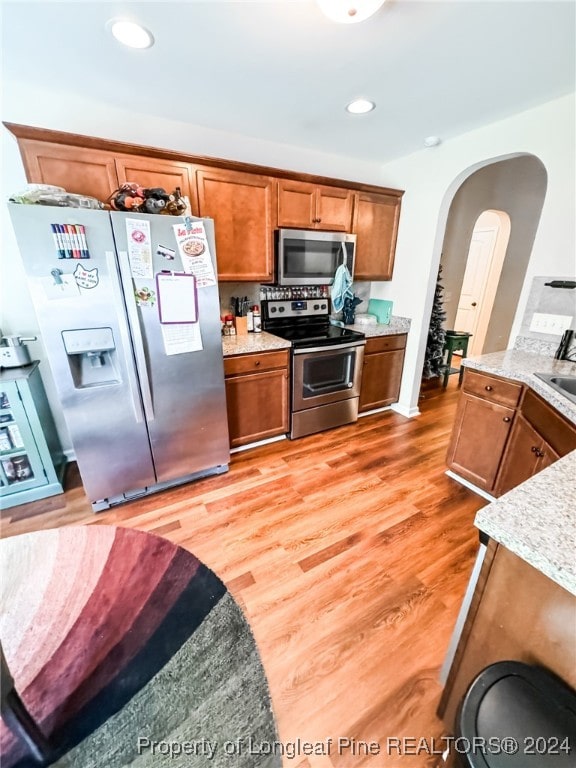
{"type": "Point", "coordinates": [434, 358]}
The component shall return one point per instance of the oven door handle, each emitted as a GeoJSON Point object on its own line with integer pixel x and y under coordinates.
{"type": "Point", "coordinates": [329, 347]}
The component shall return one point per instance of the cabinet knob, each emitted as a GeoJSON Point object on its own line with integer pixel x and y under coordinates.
{"type": "Point", "coordinates": [506, 419]}
{"type": "Point", "coordinates": [488, 388]}
{"type": "Point", "coordinates": [257, 363]}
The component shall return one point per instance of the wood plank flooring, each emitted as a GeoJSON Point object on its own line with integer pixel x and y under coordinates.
{"type": "Point", "coordinates": [349, 551]}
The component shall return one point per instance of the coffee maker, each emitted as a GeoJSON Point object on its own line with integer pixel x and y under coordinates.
{"type": "Point", "coordinates": [13, 351]}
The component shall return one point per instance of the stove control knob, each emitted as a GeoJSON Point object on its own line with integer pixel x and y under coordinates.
{"type": "Point", "coordinates": [281, 309]}
{"type": "Point", "coordinates": [272, 309]}
{"type": "Point", "coordinates": [323, 306]}
{"type": "Point", "coordinates": [316, 306]}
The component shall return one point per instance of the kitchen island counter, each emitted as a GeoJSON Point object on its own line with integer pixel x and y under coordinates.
{"type": "Point", "coordinates": [536, 521]}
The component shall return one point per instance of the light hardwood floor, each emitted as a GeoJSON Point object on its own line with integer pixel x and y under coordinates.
{"type": "Point", "coordinates": [350, 552]}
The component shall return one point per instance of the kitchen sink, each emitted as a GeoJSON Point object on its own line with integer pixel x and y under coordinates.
{"type": "Point", "coordinates": [566, 385]}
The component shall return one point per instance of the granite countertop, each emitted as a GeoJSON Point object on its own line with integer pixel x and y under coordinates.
{"type": "Point", "coordinates": [521, 366]}
{"type": "Point", "coordinates": [396, 325]}
{"type": "Point", "coordinates": [265, 342]}
{"type": "Point", "coordinates": [536, 519]}
{"type": "Point", "coordinates": [252, 342]}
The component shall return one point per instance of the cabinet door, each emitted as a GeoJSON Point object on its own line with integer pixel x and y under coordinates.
{"type": "Point", "coordinates": [21, 467]}
{"type": "Point", "coordinates": [150, 172]}
{"type": "Point", "coordinates": [257, 406]}
{"type": "Point", "coordinates": [241, 205]}
{"type": "Point", "coordinates": [479, 437]}
{"type": "Point", "coordinates": [296, 204]}
{"type": "Point", "coordinates": [381, 378]}
{"type": "Point", "coordinates": [334, 209]}
{"type": "Point", "coordinates": [82, 171]}
{"type": "Point", "coordinates": [527, 453]}
{"type": "Point", "coordinates": [375, 224]}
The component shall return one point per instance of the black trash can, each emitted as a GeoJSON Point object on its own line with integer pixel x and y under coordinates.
{"type": "Point", "coordinates": [514, 715]}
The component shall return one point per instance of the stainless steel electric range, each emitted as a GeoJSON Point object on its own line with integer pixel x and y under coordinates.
{"type": "Point", "coordinates": [326, 363]}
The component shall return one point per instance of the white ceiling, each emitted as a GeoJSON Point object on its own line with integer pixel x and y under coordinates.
{"type": "Point", "coordinates": [280, 71]}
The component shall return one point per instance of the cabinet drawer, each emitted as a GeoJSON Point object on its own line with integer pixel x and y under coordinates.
{"type": "Point", "coordinates": [385, 343]}
{"type": "Point", "coordinates": [263, 361]}
{"type": "Point", "coordinates": [557, 432]}
{"type": "Point", "coordinates": [491, 388]}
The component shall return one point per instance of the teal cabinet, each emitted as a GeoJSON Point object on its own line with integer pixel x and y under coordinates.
{"type": "Point", "coordinates": [31, 460]}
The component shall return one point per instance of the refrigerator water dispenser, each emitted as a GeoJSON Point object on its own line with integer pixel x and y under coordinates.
{"type": "Point", "coordinates": [91, 356]}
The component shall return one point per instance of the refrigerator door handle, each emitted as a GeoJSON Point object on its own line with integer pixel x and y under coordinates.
{"type": "Point", "coordinates": [134, 322]}
{"type": "Point", "coordinates": [132, 381]}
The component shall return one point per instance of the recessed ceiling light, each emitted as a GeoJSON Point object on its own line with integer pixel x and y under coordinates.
{"type": "Point", "coordinates": [131, 34]}
{"type": "Point", "coordinates": [349, 11]}
{"type": "Point", "coordinates": [432, 141]}
{"type": "Point", "coordinates": [360, 106]}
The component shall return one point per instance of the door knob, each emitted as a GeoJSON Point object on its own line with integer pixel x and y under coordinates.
{"type": "Point", "coordinates": [474, 303]}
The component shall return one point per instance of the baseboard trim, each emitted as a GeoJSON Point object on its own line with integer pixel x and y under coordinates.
{"type": "Point", "coordinates": [404, 410]}
{"type": "Point", "coordinates": [470, 486]}
{"type": "Point", "coordinates": [258, 443]}
{"type": "Point", "coordinates": [375, 410]}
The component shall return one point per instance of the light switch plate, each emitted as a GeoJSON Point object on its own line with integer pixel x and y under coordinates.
{"type": "Point", "coordinates": [552, 324]}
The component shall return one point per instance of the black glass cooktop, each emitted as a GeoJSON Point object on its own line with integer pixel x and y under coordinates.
{"type": "Point", "coordinates": [315, 335]}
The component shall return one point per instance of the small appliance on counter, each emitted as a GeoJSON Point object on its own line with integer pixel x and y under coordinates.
{"type": "Point", "coordinates": [13, 351]}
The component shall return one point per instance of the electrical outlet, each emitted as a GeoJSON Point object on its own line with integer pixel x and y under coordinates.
{"type": "Point", "coordinates": [552, 324]}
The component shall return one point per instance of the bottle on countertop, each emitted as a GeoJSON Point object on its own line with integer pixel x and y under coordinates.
{"type": "Point", "coordinates": [257, 320]}
{"type": "Point", "coordinates": [250, 320]}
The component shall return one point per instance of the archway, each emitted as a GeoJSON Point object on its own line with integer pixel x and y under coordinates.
{"type": "Point", "coordinates": [515, 185]}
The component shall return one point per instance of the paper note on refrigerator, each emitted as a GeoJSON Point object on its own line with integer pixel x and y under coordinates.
{"type": "Point", "coordinates": [181, 338]}
{"type": "Point", "coordinates": [177, 301]}
{"type": "Point", "coordinates": [195, 252]}
{"type": "Point", "coordinates": [139, 247]}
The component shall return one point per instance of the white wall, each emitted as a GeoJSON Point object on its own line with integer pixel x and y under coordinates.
{"type": "Point", "coordinates": [431, 177]}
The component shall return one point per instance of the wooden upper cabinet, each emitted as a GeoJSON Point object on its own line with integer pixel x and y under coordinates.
{"type": "Point", "coordinates": [82, 171]}
{"type": "Point", "coordinates": [152, 172]}
{"type": "Point", "coordinates": [310, 206]}
{"type": "Point", "coordinates": [375, 225]}
{"type": "Point", "coordinates": [242, 206]}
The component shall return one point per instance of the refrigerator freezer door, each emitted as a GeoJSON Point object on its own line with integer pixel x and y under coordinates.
{"type": "Point", "coordinates": [82, 320]}
{"type": "Point", "coordinates": [184, 395]}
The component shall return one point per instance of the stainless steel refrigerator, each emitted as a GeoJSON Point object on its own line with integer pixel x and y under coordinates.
{"type": "Point", "coordinates": [128, 310]}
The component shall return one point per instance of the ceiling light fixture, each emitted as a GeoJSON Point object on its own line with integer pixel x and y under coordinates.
{"type": "Point", "coordinates": [130, 33]}
{"type": "Point", "coordinates": [360, 107]}
{"type": "Point", "coordinates": [349, 11]}
{"type": "Point", "coordinates": [432, 141]}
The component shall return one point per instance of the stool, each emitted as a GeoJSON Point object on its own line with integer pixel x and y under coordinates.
{"type": "Point", "coordinates": [455, 341]}
{"type": "Point", "coordinates": [529, 713]}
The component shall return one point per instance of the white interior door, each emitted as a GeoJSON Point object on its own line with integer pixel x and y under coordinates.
{"type": "Point", "coordinates": [475, 277]}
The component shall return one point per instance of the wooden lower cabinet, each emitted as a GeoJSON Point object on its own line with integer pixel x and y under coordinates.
{"type": "Point", "coordinates": [504, 433]}
{"type": "Point", "coordinates": [382, 371]}
{"type": "Point", "coordinates": [478, 440]}
{"type": "Point", "coordinates": [527, 453]}
{"type": "Point", "coordinates": [257, 396]}
{"type": "Point", "coordinates": [516, 613]}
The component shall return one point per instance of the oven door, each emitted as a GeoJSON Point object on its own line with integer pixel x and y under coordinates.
{"type": "Point", "coordinates": [326, 374]}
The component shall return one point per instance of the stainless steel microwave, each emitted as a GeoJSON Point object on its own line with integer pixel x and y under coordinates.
{"type": "Point", "coordinates": [310, 257]}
